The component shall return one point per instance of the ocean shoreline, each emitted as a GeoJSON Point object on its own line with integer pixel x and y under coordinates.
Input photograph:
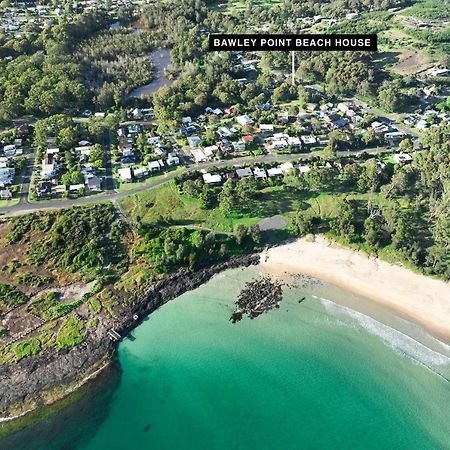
{"type": "Point", "coordinates": [422, 300]}
{"type": "Point", "coordinates": [305, 256]}
{"type": "Point", "coordinates": [44, 380]}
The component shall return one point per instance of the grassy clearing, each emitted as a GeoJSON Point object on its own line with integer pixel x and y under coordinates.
{"type": "Point", "coordinates": [123, 187]}
{"type": "Point", "coordinates": [70, 333]}
{"type": "Point", "coordinates": [166, 204]}
{"type": "Point", "coordinates": [237, 6]}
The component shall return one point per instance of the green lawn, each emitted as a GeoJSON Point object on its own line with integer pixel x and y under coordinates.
{"type": "Point", "coordinates": [7, 203]}
{"type": "Point", "coordinates": [234, 6]}
{"type": "Point", "coordinates": [123, 187]}
{"type": "Point", "coordinates": [165, 204]}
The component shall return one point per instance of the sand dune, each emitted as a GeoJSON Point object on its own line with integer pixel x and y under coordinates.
{"type": "Point", "coordinates": [421, 299]}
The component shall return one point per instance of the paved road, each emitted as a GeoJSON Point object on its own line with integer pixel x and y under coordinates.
{"type": "Point", "coordinates": [25, 208]}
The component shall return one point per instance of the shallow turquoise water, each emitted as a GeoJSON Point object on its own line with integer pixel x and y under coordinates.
{"type": "Point", "coordinates": [306, 376]}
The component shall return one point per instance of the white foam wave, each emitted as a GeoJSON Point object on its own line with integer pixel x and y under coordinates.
{"type": "Point", "coordinates": [395, 339]}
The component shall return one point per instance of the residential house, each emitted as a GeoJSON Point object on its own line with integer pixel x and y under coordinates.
{"type": "Point", "coordinates": [172, 160]}
{"type": "Point", "coordinates": [259, 172]}
{"type": "Point", "coordinates": [274, 172]}
{"type": "Point", "coordinates": [5, 194]}
{"type": "Point", "coordinates": [142, 172]}
{"type": "Point", "coordinates": [198, 155]}
{"type": "Point", "coordinates": [245, 172]}
{"type": "Point", "coordinates": [125, 175]}
{"type": "Point", "coordinates": [238, 146]}
{"type": "Point", "coordinates": [193, 141]}
{"type": "Point", "coordinates": [266, 128]}
{"type": "Point", "coordinates": [210, 178]}
{"type": "Point", "coordinates": [402, 158]}
{"type": "Point", "coordinates": [94, 183]}
{"type": "Point", "coordinates": [244, 120]}
{"type": "Point", "coordinates": [210, 150]}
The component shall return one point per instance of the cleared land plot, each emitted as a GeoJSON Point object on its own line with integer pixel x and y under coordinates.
{"type": "Point", "coordinates": [165, 204]}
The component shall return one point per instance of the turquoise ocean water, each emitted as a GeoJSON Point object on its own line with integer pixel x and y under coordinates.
{"type": "Point", "coordinates": [314, 375]}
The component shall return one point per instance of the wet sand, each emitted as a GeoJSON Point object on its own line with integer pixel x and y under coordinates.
{"type": "Point", "coordinates": [423, 300]}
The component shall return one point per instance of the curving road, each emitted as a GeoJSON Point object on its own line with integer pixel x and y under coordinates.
{"type": "Point", "coordinates": [24, 207]}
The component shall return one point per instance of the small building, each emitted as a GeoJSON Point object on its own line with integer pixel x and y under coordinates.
{"type": "Point", "coordinates": [274, 172]}
{"type": "Point", "coordinates": [193, 141]}
{"type": "Point", "coordinates": [94, 183]}
{"type": "Point", "coordinates": [5, 194]}
{"type": "Point", "coordinates": [172, 160]}
{"type": "Point", "coordinates": [140, 172]}
{"type": "Point", "coordinates": [286, 167]}
{"type": "Point", "coordinates": [154, 166]}
{"type": "Point", "coordinates": [266, 128]}
{"type": "Point", "coordinates": [76, 187]}
{"type": "Point", "coordinates": [259, 172]}
{"type": "Point", "coordinates": [245, 172]}
{"type": "Point", "coordinates": [210, 150]}
{"type": "Point", "coordinates": [309, 140]}
{"type": "Point", "coordinates": [244, 120]}
{"type": "Point", "coordinates": [279, 143]}
{"type": "Point", "coordinates": [198, 155]}
{"type": "Point", "coordinates": [153, 140]}
{"type": "Point", "coordinates": [210, 178]}
{"type": "Point", "coordinates": [394, 136]}
{"type": "Point", "coordinates": [125, 175]}
{"type": "Point", "coordinates": [402, 158]}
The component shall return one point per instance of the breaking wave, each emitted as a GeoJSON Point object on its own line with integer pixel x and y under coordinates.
{"type": "Point", "coordinates": [398, 341]}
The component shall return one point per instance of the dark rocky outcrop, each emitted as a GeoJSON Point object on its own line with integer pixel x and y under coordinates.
{"type": "Point", "coordinates": [257, 297]}
{"type": "Point", "coordinates": [48, 376]}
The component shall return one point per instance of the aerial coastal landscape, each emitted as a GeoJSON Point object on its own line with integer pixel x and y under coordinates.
{"type": "Point", "coordinates": [204, 248]}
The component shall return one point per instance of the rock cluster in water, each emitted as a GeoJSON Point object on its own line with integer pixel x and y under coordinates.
{"type": "Point", "coordinates": [256, 298]}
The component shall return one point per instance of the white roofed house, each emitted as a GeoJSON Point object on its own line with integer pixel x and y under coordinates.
{"type": "Point", "coordinates": [279, 143]}
{"type": "Point", "coordinates": [153, 140]}
{"type": "Point", "coordinates": [302, 169]}
{"type": "Point", "coordinates": [172, 160]}
{"type": "Point", "coordinates": [308, 140]}
{"type": "Point", "coordinates": [49, 168]}
{"type": "Point", "coordinates": [5, 194]}
{"type": "Point", "coordinates": [244, 120]}
{"type": "Point", "coordinates": [210, 150]}
{"type": "Point", "coordinates": [394, 136]}
{"type": "Point", "coordinates": [154, 166]}
{"type": "Point", "coordinates": [294, 141]}
{"type": "Point", "coordinates": [259, 172]}
{"type": "Point", "coordinates": [125, 175]}
{"type": "Point", "coordinates": [76, 187]}
{"type": "Point", "coordinates": [286, 167]}
{"type": "Point", "coordinates": [198, 155]}
{"type": "Point", "coordinates": [225, 132]}
{"type": "Point", "coordinates": [141, 172]}
{"type": "Point", "coordinates": [402, 158]}
{"type": "Point", "coordinates": [274, 172]}
{"type": "Point", "coordinates": [266, 127]}
{"type": "Point", "coordinates": [210, 178]}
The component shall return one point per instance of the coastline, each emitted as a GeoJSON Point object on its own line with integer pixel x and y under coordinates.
{"type": "Point", "coordinates": [46, 379]}
{"type": "Point", "coordinates": [418, 298]}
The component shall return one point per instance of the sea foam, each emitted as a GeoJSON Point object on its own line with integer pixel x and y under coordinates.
{"type": "Point", "coordinates": [398, 341]}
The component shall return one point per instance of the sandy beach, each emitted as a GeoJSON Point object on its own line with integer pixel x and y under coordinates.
{"type": "Point", "coordinates": [424, 300]}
